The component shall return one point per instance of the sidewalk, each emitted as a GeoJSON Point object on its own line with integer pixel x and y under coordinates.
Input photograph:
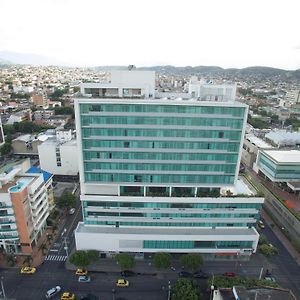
{"type": "Point", "coordinates": [146, 266]}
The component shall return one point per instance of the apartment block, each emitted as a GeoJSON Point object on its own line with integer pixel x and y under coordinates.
{"type": "Point", "coordinates": [23, 208]}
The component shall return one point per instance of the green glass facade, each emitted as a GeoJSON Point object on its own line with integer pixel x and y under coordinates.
{"type": "Point", "coordinates": [143, 155]}
{"type": "Point", "coordinates": [167, 144]}
{"type": "Point", "coordinates": [278, 171]}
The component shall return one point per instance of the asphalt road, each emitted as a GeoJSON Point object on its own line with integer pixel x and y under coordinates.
{"type": "Point", "coordinates": [285, 270]}
{"type": "Point", "coordinates": [146, 287]}
{"type": "Point", "coordinates": [51, 274]}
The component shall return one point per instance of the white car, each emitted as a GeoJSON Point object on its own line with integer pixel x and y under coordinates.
{"type": "Point", "coordinates": [84, 278]}
{"type": "Point", "coordinates": [52, 292]}
{"type": "Point", "coordinates": [71, 211]}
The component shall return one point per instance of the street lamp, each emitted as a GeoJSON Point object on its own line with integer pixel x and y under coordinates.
{"type": "Point", "coordinates": [66, 246]}
{"type": "Point", "coordinates": [212, 287]}
{"type": "Point", "coordinates": [2, 287]}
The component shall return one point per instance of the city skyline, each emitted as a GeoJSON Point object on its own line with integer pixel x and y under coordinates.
{"type": "Point", "coordinates": [230, 34]}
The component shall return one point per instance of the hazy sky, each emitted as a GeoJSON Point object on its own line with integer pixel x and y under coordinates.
{"type": "Point", "coordinates": [227, 33]}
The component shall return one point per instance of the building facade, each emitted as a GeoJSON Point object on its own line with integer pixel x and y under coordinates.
{"type": "Point", "coordinates": [23, 208]}
{"type": "Point", "coordinates": [279, 165]}
{"type": "Point", "coordinates": [58, 155]}
{"type": "Point", "coordinates": [151, 171]}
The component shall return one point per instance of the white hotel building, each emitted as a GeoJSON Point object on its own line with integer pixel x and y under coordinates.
{"type": "Point", "coordinates": [152, 171]}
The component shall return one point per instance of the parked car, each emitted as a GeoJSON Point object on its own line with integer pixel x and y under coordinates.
{"type": "Point", "coordinates": [270, 278]}
{"type": "Point", "coordinates": [28, 270]}
{"type": "Point", "coordinates": [127, 273]}
{"type": "Point", "coordinates": [81, 272]}
{"type": "Point", "coordinates": [185, 274]}
{"type": "Point", "coordinates": [122, 283]}
{"type": "Point", "coordinates": [261, 224]}
{"type": "Point", "coordinates": [229, 274]}
{"type": "Point", "coordinates": [200, 274]}
{"type": "Point", "coordinates": [52, 292]}
{"type": "Point", "coordinates": [67, 296]}
{"type": "Point", "coordinates": [84, 278]}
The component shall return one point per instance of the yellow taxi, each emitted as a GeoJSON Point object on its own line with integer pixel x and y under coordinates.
{"type": "Point", "coordinates": [122, 283]}
{"type": "Point", "coordinates": [81, 272]}
{"type": "Point", "coordinates": [28, 270]}
{"type": "Point", "coordinates": [67, 296]}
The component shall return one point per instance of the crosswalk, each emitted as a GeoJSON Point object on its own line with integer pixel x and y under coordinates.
{"type": "Point", "coordinates": [56, 258]}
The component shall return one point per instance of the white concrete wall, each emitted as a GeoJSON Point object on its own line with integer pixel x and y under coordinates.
{"type": "Point", "coordinates": [68, 154]}
{"type": "Point", "coordinates": [125, 242]}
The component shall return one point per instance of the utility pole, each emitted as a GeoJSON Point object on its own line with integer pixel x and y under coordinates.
{"type": "Point", "coordinates": [66, 246]}
{"type": "Point", "coordinates": [261, 271]}
{"type": "Point", "coordinates": [212, 287]}
{"type": "Point", "coordinates": [169, 291]}
{"type": "Point", "coordinates": [2, 287]}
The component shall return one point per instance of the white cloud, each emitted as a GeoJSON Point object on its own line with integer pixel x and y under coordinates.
{"type": "Point", "coordinates": [192, 32]}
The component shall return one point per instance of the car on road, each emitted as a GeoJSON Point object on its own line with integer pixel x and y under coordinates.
{"type": "Point", "coordinates": [82, 272]}
{"type": "Point", "coordinates": [127, 273]}
{"type": "Point", "coordinates": [122, 283]}
{"type": "Point", "coordinates": [270, 278]}
{"type": "Point", "coordinates": [200, 274]}
{"type": "Point", "coordinates": [84, 278]}
{"type": "Point", "coordinates": [185, 274]}
{"type": "Point", "coordinates": [261, 224]}
{"type": "Point", "coordinates": [52, 292]}
{"type": "Point", "coordinates": [67, 296]}
{"type": "Point", "coordinates": [71, 211]}
{"type": "Point", "coordinates": [229, 274]}
{"type": "Point", "coordinates": [28, 270]}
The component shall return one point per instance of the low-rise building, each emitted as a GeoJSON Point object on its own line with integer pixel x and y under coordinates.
{"type": "Point", "coordinates": [27, 144]}
{"type": "Point", "coordinates": [279, 165]}
{"type": "Point", "coordinates": [59, 155]}
{"type": "Point", "coordinates": [251, 146]}
{"type": "Point", "coordinates": [20, 116]}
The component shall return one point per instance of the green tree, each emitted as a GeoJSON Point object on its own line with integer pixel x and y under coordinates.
{"type": "Point", "coordinates": [125, 261]}
{"type": "Point", "coordinates": [268, 250]}
{"type": "Point", "coordinates": [6, 148]}
{"type": "Point", "coordinates": [80, 259]}
{"type": "Point", "coordinates": [65, 110]}
{"type": "Point", "coordinates": [262, 239]}
{"type": "Point", "coordinates": [162, 260]}
{"type": "Point", "coordinates": [184, 290]}
{"type": "Point", "coordinates": [191, 261]}
{"type": "Point", "coordinates": [93, 255]}
{"type": "Point", "coordinates": [67, 200]}
{"type": "Point", "coordinates": [57, 94]}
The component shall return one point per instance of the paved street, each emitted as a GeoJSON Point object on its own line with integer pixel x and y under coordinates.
{"type": "Point", "coordinates": [24, 287]}
{"type": "Point", "coordinates": [53, 271]}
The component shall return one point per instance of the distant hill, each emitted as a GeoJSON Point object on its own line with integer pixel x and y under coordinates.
{"type": "Point", "coordinates": [260, 72]}
{"type": "Point", "coordinates": [4, 63]}
{"type": "Point", "coordinates": [29, 59]}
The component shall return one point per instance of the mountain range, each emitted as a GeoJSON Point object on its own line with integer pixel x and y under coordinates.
{"type": "Point", "coordinates": [8, 57]}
